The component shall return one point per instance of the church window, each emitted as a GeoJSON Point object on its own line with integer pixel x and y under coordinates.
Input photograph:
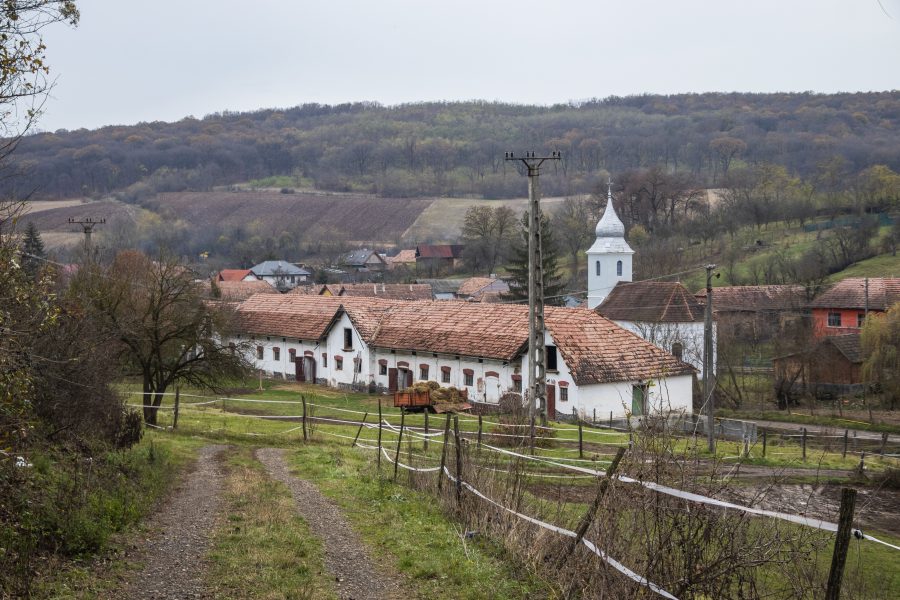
{"type": "Point", "coordinates": [619, 268]}
{"type": "Point", "coordinates": [598, 267]}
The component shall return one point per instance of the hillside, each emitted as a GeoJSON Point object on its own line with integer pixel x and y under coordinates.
{"type": "Point", "coordinates": [456, 149]}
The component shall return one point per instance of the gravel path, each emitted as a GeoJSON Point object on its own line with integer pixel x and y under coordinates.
{"type": "Point", "coordinates": [173, 556]}
{"type": "Point", "coordinates": [356, 576]}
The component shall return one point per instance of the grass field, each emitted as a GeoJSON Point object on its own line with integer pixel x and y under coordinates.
{"type": "Point", "coordinates": [349, 477]}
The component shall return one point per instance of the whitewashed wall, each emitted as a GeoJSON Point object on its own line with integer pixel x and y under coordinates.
{"type": "Point", "coordinates": [667, 394]}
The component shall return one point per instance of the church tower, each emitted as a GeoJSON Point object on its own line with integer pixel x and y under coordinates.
{"type": "Point", "coordinates": [609, 259]}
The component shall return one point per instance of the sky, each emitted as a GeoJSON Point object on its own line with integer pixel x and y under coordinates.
{"type": "Point", "coordinates": [130, 61]}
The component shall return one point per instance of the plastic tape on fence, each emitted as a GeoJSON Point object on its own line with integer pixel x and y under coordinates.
{"type": "Point", "coordinates": [407, 467]}
{"type": "Point", "coordinates": [151, 406]}
{"type": "Point", "coordinates": [568, 533]}
{"type": "Point", "coordinates": [875, 539]}
{"type": "Point", "coordinates": [533, 474]}
{"type": "Point", "coordinates": [662, 489]}
{"type": "Point", "coordinates": [346, 410]}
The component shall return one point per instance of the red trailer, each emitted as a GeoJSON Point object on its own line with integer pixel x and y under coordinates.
{"type": "Point", "coordinates": [413, 401]}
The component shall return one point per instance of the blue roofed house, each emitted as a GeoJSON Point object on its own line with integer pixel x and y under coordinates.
{"type": "Point", "coordinates": [281, 274]}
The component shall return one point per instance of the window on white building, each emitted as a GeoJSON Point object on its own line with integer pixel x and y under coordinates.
{"type": "Point", "coordinates": [619, 268]}
{"type": "Point", "coordinates": [597, 267]}
{"type": "Point", "coordinates": [563, 394]}
{"type": "Point", "coordinates": [423, 372]}
{"type": "Point", "coordinates": [469, 377]}
{"type": "Point", "coordinates": [348, 338]}
{"type": "Point", "coordinates": [445, 375]}
{"type": "Point", "coordinates": [382, 369]}
{"type": "Point", "coordinates": [550, 353]}
{"type": "Point", "coordinates": [276, 353]}
{"type": "Point", "coordinates": [259, 353]}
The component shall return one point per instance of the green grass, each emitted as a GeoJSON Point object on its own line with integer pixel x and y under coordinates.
{"type": "Point", "coordinates": [74, 515]}
{"type": "Point", "coordinates": [884, 265]}
{"type": "Point", "coordinates": [411, 532]}
{"type": "Point", "coordinates": [262, 548]}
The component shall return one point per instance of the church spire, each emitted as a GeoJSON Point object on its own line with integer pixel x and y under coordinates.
{"type": "Point", "coordinates": [610, 225]}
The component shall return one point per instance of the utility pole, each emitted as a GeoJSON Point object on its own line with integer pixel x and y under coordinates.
{"type": "Point", "coordinates": [537, 367]}
{"type": "Point", "coordinates": [88, 226]}
{"type": "Point", "coordinates": [867, 299]}
{"type": "Point", "coordinates": [708, 362]}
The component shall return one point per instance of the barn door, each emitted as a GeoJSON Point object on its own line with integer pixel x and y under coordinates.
{"type": "Point", "coordinates": [298, 369]}
{"type": "Point", "coordinates": [392, 380]}
{"type": "Point", "coordinates": [311, 368]}
{"type": "Point", "coordinates": [551, 402]}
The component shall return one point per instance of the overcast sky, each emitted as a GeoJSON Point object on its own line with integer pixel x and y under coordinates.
{"type": "Point", "coordinates": [131, 61]}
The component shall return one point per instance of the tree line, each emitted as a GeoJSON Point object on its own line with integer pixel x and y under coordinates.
{"type": "Point", "coordinates": [444, 148]}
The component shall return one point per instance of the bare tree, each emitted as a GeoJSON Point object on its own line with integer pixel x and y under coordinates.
{"type": "Point", "coordinates": [166, 332]}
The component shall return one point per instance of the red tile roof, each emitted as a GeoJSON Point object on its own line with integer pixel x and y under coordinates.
{"type": "Point", "coordinates": [404, 256]}
{"type": "Point", "coordinates": [651, 302]}
{"type": "Point", "coordinates": [884, 292]}
{"type": "Point", "coordinates": [234, 274]}
{"type": "Point", "coordinates": [595, 349]}
{"type": "Point", "coordinates": [391, 291]}
{"type": "Point", "coordinates": [439, 251]}
{"type": "Point", "coordinates": [241, 290]}
{"type": "Point", "coordinates": [754, 298]}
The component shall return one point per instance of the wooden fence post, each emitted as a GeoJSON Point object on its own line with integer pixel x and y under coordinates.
{"type": "Point", "coordinates": [580, 440]}
{"type": "Point", "coordinates": [884, 436]}
{"type": "Point", "coordinates": [846, 441]}
{"type": "Point", "coordinates": [764, 443]}
{"type": "Point", "coordinates": [610, 419]}
{"type": "Point", "coordinates": [841, 543]}
{"type": "Point", "coordinates": [177, 403]}
{"type": "Point", "coordinates": [380, 419]}
{"type": "Point", "coordinates": [459, 472]}
{"type": "Point", "coordinates": [803, 444]}
{"type": "Point", "coordinates": [444, 453]}
{"type": "Point", "coordinates": [531, 436]}
{"type": "Point", "coordinates": [358, 431]}
{"type": "Point", "coordinates": [425, 443]}
{"type": "Point", "coordinates": [305, 434]}
{"type": "Point", "coordinates": [595, 505]}
{"type": "Point", "coordinates": [399, 440]}
{"type": "Point", "coordinates": [479, 432]}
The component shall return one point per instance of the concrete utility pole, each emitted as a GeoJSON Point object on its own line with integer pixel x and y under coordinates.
{"type": "Point", "coordinates": [708, 362]}
{"type": "Point", "coordinates": [537, 366]}
{"type": "Point", "coordinates": [88, 227]}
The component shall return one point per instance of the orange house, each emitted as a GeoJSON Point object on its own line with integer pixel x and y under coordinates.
{"type": "Point", "coordinates": [841, 309]}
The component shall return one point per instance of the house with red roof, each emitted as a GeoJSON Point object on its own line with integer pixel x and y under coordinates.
{"type": "Point", "coordinates": [433, 259]}
{"type": "Point", "coordinates": [236, 275]}
{"type": "Point", "coordinates": [374, 344]}
{"type": "Point", "coordinates": [842, 308]}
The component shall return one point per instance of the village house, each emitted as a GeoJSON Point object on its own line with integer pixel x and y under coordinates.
{"type": "Point", "coordinates": [236, 275]}
{"type": "Point", "coordinates": [758, 313]}
{"type": "Point", "coordinates": [405, 259]}
{"type": "Point", "coordinates": [662, 312]}
{"type": "Point", "coordinates": [236, 291]}
{"type": "Point", "coordinates": [482, 289]}
{"type": "Point", "coordinates": [831, 367]}
{"type": "Point", "coordinates": [384, 345]}
{"type": "Point", "coordinates": [389, 291]}
{"type": "Point", "coordinates": [438, 258]}
{"type": "Point", "coordinates": [842, 308]}
{"type": "Point", "coordinates": [281, 274]}
{"type": "Point", "coordinates": [363, 261]}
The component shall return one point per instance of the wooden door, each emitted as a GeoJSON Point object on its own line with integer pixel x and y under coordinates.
{"type": "Point", "coordinates": [409, 378]}
{"type": "Point", "coordinates": [392, 380]}
{"type": "Point", "coordinates": [638, 398]}
{"type": "Point", "coordinates": [298, 369]}
{"type": "Point", "coordinates": [551, 402]}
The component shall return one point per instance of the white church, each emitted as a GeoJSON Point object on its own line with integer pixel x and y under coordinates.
{"type": "Point", "coordinates": [664, 313]}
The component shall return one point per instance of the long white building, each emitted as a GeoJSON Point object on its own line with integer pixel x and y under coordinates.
{"type": "Point", "coordinates": [382, 345]}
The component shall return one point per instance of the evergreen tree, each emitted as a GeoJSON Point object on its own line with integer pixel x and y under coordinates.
{"type": "Point", "coordinates": [518, 266]}
{"type": "Point", "coordinates": [32, 251]}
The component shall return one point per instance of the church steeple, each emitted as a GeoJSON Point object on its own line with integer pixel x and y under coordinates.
{"type": "Point", "coordinates": [609, 258]}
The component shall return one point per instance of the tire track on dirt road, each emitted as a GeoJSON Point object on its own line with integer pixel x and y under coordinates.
{"type": "Point", "coordinates": [357, 577]}
{"type": "Point", "coordinates": [173, 557]}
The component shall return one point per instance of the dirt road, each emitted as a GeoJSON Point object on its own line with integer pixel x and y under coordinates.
{"type": "Point", "coordinates": [173, 555]}
{"type": "Point", "coordinates": [357, 577]}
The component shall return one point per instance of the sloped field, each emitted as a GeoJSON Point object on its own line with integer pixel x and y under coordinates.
{"type": "Point", "coordinates": [353, 217]}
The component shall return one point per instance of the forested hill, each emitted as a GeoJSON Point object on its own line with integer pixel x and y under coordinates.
{"type": "Point", "coordinates": [457, 148]}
